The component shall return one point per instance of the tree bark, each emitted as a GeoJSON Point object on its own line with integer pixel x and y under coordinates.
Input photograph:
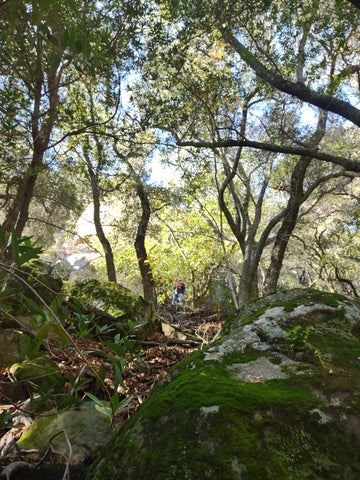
{"type": "Point", "coordinates": [346, 163]}
{"type": "Point", "coordinates": [41, 129]}
{"type": "Point", "coordinates": [109, 257]}
{"type": "Point", "coordinates": [140, 248]}
{"type": "Point", "coordinates": [28, 193]}
{"type": "Point", "coordinates": [288, 225]}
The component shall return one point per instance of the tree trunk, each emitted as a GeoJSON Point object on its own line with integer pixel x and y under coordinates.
{"type": "Point", "coordinates": [292, 209]}
{"type": "Point", "coordinates": [288, 225]}
{"type": "Point", "coordinates": [28, 193]}
{"type": "Point", "coordinates": [41, 129]}
{"type": "Point", "coordinates": [144, 265]}
{"type": "Point", "coordinates": [13, 212]}
{"type": "Point", "coordinates": [109, 257]}
{"type": "Point", "coordinates": [248, 284]}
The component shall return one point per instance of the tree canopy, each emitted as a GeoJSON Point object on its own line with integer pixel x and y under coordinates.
{"type": "Point", "coordinates": [254, 105]}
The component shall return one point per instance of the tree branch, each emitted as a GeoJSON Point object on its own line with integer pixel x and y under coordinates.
{"type": "Point", "coordinates": [343, 162]}
{"type": "Point", "coordinates": [298, 90]}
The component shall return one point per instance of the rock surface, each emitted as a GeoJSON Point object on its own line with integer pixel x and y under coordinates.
{"type": "Point", "coordinates": [128, 312]}
{"type": "Point", "coordinates": [276, 396]}
{"type": "Point", "coordinates": [36, 371]}
{"type": "Point", "coordinates": [86, 429]}
{"type": "Point", "coordinates": [12, 346]}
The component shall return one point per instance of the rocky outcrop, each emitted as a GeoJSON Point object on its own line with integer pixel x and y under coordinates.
{"type": "Point", "coordinates": [275, 396]}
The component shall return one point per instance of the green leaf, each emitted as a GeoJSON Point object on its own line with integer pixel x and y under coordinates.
{"type": "Point", "coordinates": [71, 379]}
{"type": "Point", "coordinates": [107, 411]}
{"type": "Point", "coordinates": [86, 46]}
{"type": "Point", "coordinates": [45, 4]}
{"type": "Point", "coordinates": [72, 37]}
{"type": "Point", "coordinates": [54, 40]}
{"type": "Point", "coordinates": [56, 303]}
{"type": "Point", "coordinates": [42, 333]}
{"type": "Point", "coordinates": [131, 346]}
{"type": "Point", "coordinates": [35, 15]}
{"type": "Point", "coordinates": [114, 400]}
{"type": "Point", "coordinates": [95, 399]}
{"type": "Point", "coordinates": [101, 375]}
{"type": "Point", "coordinates": [101, 406]}
{"type": "Point", "coordinates": [27, 254]}
{"type": "Point", "coordinates": [6, 293]}
{"type": "Point", "coordinates": [78, 46]}
{"type": "Point", "coordinates": [60, 333]}
{"type": "Point", "coordinates": [118, 378]}
{"type": "Point", "coordinates": [117, 348]}
{"type": "Point", "coordinates": [37, 308]}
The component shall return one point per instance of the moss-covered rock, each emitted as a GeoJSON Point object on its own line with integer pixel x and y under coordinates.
{"type": "Point", "coordinates": [33, 373]}
{"type": "Point", "coordinates": [84, 430]}
{"type": "Point", "coordinates": [13, 345]}
{"type": "Point", "coordinates": [31, 284]}
{"type": "Point", "coordinates": [129, 312]}
{"type": "Point", "coordinates": [275, 397]}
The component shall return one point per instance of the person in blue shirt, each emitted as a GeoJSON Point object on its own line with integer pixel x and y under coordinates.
{"type": "Point", "coordinates": [178, 291]}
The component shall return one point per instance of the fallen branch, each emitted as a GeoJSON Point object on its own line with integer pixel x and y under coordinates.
{"type": "Point", "coordinates": [51, 448]}
{"type": "Point", "coordinates": [173, 341]}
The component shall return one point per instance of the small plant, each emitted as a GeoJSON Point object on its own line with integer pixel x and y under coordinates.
{"type": "Point", "coordinates": [109, 408]}
{"type": "Point", "coordinates": [297, 338]}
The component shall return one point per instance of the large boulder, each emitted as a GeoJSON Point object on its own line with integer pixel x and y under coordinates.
{"type": "Point", "coordinates": [128, 312]}
{"type": "Point", "coordinates": [275, 396]}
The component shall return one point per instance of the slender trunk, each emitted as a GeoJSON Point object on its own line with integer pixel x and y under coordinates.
{"type": "Point", "coordinates": [249, 274]}
{"type": "Point", "coordinates": [109, 257]}
{"type": "Point", "coordinates": [292, 209]}
{"type": "Point", "coordinates": [288, 225]}
{"type": "Point", "coordinates": [248, 285]}
{"type": "Point", "coordinates": [144, 265]}
{"type": "Point", "coordinates": [41, 128]}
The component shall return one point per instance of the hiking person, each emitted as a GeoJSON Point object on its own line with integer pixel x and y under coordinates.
{"type": "Point", "coordinates": [178, 291]}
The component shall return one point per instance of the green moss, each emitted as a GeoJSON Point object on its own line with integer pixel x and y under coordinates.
{"type": "Point", "coordinates": [36, 371]}
{"type": "Point", "coordinates": [255, 315]}
{"type": "Point", "coordinates": [200, 422]}
{"type": "Point", "coordinates": [236, 357]}
{"type": "Point", "coordinates": [274, 358]}
{"type": "Point", "coordinates": [343, 352]}
{"type": "Point", "coordinates": [185, 441]}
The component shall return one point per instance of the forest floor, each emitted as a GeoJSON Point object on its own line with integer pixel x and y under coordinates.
{"type": "Point", "coordinates": [184, 330]}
